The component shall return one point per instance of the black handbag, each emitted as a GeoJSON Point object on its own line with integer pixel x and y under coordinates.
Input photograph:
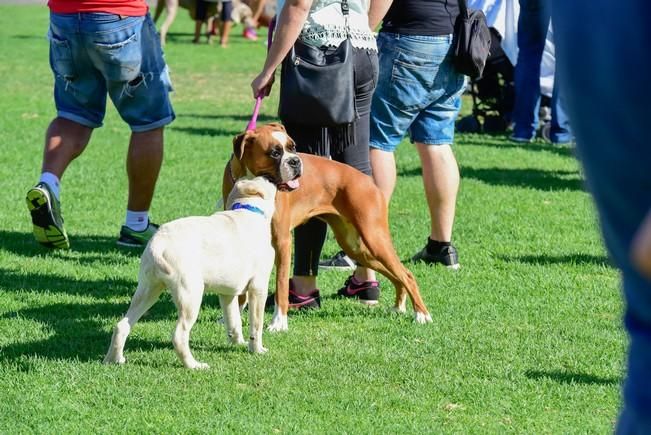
{"type": "Point", "coordinates": [317, 85]}
{"type": "Point", "coordinates": [471, 43]}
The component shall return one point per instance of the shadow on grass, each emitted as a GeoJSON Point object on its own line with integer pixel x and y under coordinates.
{"type": "Point", "coordinates": [528, 178]}
{"type": "Point", "coordinates": [95, 248]}
{"type": "Point", "coordinates": [41, 37]}
{"type": "Point", "coordinates": [207, 131]}
{"type": "Point", "coordinates": [79, 333]}
{"type": "Point", "coordinates": [77, 330]}
{"type": "Point", "coordinates": [572, 259]}
{"type": "Point", "coordinates": [12, 281]}
{"type": "Point", "coordinates": [502, 141]}
{"type": "Point", "coordinates": [564, 377]}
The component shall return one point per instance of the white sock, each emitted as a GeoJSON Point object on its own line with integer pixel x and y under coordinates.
{"type": "Point", "coordinates": [137, 220]}
{"type": "Point", "coordinates": [53, 183]}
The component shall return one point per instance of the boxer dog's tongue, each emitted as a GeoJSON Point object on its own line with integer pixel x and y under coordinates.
{"type": "Point", "coordinates": [288, 186]}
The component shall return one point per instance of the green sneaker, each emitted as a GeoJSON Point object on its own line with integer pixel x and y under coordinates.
{"type": "Point", "coordinates": [46, 217]}
{"type": "Point", "coordinates": [136, 239]}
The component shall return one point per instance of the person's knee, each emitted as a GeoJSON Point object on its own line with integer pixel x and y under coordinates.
{"type": "Point", "coordinates": [75, 136]}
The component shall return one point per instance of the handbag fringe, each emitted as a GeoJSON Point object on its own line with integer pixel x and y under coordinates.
{"type": "Point", "coordinates": [322, 141]}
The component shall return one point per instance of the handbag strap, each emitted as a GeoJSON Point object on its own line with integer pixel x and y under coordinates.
{"type": "Point", "coordinates": [463, 8]}
{"type": "Point", "coordinates": [345, 10]}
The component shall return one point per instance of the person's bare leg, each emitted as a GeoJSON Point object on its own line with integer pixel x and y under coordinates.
{"type": "Point", "coordinates": [225, 33]}
{"type": "Point", "coordinates": [197, 31]}
{"type": "Point", "coordinates": [383, 164]}
{"type": "Point", "coordinates": [441, 182]}
{"type": "Point", "coordinates": [65, 140]}
{"type": "Point", "coordinates": [144, 160]}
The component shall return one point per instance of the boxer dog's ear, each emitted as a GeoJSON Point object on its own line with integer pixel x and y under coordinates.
{"type": "Point", "coordinates": [239, 144]}
{"type": "Point", "coordinates": [277, 126]}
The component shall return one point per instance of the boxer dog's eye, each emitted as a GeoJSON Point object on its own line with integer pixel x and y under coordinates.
{"type": "Point", "coordinates": [292, 147]}
{"type": "Point", "coordinates": [275, 153]}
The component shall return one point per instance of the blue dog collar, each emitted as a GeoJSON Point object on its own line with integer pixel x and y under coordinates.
{"type": "Point", "coordinates": [253, 208]}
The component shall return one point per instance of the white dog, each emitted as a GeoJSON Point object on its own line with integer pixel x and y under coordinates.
{"type": "Point", "coordinates": [229, 253]}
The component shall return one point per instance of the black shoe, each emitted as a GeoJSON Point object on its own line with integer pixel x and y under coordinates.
{"type": "Point", "coordinates": [447, 256]}
{"type": "Point", "coordinates": [340, 261]}
{"type": "Point", "coordinates": [367, 292]}
{"type": "Point", "coordinates": [296, 301]}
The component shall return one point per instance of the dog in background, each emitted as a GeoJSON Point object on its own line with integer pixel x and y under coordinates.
{"type": "Point", "coordinates": [228, 253]}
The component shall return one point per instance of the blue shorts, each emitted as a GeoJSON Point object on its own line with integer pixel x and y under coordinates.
{"type": "Point", "coordinates": [95, 54]}
{"type": "Point", "coordinates": [418, 91]}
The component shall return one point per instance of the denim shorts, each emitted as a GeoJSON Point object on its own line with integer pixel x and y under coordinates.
{"type": "Point", "coordinates": [418, 91]}
{"type": "Point", "coordinates": [95, 54]}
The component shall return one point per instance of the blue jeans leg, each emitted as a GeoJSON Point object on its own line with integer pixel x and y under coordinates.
{"type": "Point", "coordinates": [533, 23]}
{"type": "Point", "coordinates": [560, 128]}
{"type": "Point", "coordinates": [604, 76]}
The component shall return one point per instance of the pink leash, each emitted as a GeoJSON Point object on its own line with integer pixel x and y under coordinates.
{"type": "Point", "coordinates": [258, 100]}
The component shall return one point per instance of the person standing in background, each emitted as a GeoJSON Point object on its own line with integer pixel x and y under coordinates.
{"type": "Point", "coordinates": [533, 24]}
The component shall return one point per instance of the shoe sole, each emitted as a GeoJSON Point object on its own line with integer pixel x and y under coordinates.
{"type": "Point", "coordinates": [436, 263]}
{"type": "Point", "coordinates": [130, 245]}
{"type": "Point", "coordinates": [45, 230]}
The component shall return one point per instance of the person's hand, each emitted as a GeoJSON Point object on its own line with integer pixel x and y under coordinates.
{"type": "Point", "coordinates": [641, 248]}
{"type": "Point", "coordinates": [262, 84]}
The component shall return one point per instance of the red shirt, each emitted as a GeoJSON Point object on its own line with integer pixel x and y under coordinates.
{"type": "Point", "coordinates": [129, 8]}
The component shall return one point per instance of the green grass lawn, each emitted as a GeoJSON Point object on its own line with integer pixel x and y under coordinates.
{"type": "Point", "coordinates": [526, 337]}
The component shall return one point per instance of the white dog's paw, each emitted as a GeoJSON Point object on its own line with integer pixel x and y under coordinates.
{"type": "Point", "coordinates": [257, 349]}
{"type": "Point", "coordinates": [422, 318]}
{"type": "Point", "coordinates": [238, 341]}
{"type": "Point", "coordinates": [196, 365]}
{"type": "Point", "coordinates": [113, 359]}
{"type": "Point", "coordinates": [278, 323]}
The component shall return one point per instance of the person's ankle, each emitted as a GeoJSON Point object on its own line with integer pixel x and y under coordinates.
{"type": "Point", "coordinates": [363, 274]}
{"type": "Point", "coordinates": [304, 285]}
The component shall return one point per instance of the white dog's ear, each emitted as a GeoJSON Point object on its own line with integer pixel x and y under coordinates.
{"type": "Point", "coordinates": [251, 190]}
{"type": "Point", "coordinates": [239, 143]}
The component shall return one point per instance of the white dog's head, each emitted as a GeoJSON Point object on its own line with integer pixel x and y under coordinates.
{"type": "Point", "coordinates": [258, 192]}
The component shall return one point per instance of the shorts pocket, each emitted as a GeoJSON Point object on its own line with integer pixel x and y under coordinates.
{"type": "Point", "coordinates": [121, 61]}
{"type": "Point", "coordinates": [411, 80]}
{"type": "Point", "coordinates": [61, 57]}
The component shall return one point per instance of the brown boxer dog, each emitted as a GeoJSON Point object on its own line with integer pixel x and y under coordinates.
{"type": "Point", "coordinates": [345, 198]}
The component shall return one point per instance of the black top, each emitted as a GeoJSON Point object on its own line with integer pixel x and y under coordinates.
{"type": "Point", "coordinates": [421, 17]}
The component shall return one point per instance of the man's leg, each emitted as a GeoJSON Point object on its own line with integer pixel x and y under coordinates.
{"type": "Point", "coordinates": [441, 182]}
{"type": "Point", "coordinates": [144, 160]}
{"type": "Point", "coordinates": [64, 141]}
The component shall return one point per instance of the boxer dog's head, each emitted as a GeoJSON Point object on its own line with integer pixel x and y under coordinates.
{"type": "Point", "coordinates": [269, 152]}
